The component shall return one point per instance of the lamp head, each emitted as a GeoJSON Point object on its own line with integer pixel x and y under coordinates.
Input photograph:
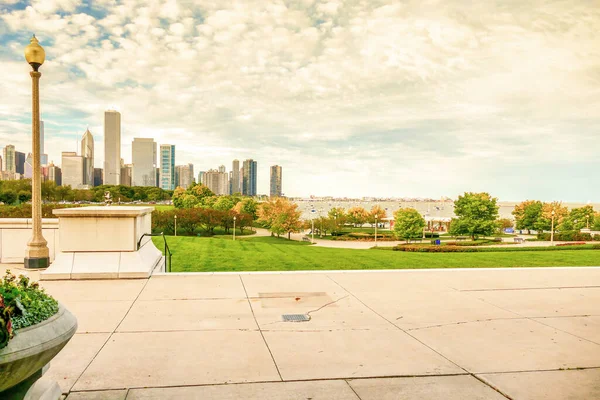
{"type": "Point", "coordinates": [35, 54]}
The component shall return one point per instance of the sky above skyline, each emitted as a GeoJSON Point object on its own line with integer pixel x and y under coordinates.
{"type": "Point", "coordinates": [351, 98]}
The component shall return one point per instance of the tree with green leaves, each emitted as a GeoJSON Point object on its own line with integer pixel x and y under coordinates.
{"type": "Point", "coordinates": [476, 215]}
{"type": "Point", "coordinates": [408, 224]}
{"type": "Point", "coordinates": [578, 218]}
{"type": "Point", "coordinates": [527, 214]}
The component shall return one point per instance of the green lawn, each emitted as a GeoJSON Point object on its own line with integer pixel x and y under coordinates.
{"type": "Point", "coordinates": [274, 254]}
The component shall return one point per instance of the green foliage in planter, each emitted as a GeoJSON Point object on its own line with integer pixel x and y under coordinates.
{"type": "Point", "coordinates": [22, 304]}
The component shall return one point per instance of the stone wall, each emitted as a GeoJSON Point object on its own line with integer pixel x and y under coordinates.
{"type": "Point", "coordinates": [16, 232]}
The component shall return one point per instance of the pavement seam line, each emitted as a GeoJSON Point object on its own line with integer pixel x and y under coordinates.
{"type": "Point", "coordinates": [415, 338]}
{"type": "Point", "coordinates": [351, 388]}
{"type": "Point", "coordinates": [259, 329]}
{"type": "Point", "coordinates": [110, 335]}
{"type": "Point", "coordinates": [530, 288]}
{"type": "Point", "coordinates": [536, 320]}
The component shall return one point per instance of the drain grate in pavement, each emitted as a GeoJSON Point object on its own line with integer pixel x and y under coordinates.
{"type": "Point", "coordinates": [295, 318]}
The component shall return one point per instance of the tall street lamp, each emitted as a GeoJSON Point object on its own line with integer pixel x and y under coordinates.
{"type": "Point", "coordinates": [312, 231]}
{"type": "Point", "coordinates": [234, 218]}
{"type": "Point", "coordinates": [175, 224]}
{"type": "Point", "coordinates": [552, 229]}
{"type": "Point", "coordinates": [37, 254]}
{"type": "Point", "coordinates": [376, 230]}
{"type": "Point", "coordinates": [587, 217]}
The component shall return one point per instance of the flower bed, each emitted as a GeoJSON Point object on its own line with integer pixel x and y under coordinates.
{"type": "Point", "coordinates": [461, 249]}
{"type": "Point", "coordinates": [22, 304]}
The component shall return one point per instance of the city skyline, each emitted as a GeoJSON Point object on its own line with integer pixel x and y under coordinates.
{"type": "Point", "coordinates": [354, 99]}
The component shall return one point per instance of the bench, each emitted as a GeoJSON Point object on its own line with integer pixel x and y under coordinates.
{"type": "Point", "coordinates": [497, 239]}
{"type": "Point", "coordinates": [415, 240]}
{"type": "Point", "coordinates": [306, 239]}
{"type": "Point", "coordinates": [519, 240]}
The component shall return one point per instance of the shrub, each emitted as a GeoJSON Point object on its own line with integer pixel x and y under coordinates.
{"type": "Point", "coordinates": [24, 210]}
{"type": "Point", "coordinates": [22, 304]}
{"type": "Point", "coordinates": [462, 249]}
{"type": "Point", "coordinates": [568, 236]}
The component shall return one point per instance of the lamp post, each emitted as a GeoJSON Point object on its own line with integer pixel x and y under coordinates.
{"type": "Point", "coordinates": [175, 224]}
{"type": "Point", "coordinates": [335, 222]}
{"type": "Point", "coordinates": [234, 218]}
{"type": "Point", "coordinates": [376, 230]}
{"type": "Point", "coordinates": [312, 231]}
{"type": "Point", "coordinates": [37, 254]}
{"type": "Point", "coordinates": [587, 217]}
{"type": "Point", "coordinates": [552, 229]}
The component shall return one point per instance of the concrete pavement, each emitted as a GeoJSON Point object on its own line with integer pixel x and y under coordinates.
{"type": "Point", "coordinates": [495, 334]}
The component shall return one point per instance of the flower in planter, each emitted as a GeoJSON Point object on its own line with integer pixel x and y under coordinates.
{"type": "Point", "coordinates": [6, 331]}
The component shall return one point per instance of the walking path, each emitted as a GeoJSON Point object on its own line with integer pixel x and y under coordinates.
{"type": "Point", "coordinates": [521, 334]}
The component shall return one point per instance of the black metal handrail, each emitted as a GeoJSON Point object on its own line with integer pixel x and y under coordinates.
{"type": "Point", "coordinates": [168, 253]}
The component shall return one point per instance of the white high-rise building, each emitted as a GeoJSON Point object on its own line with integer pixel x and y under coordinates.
{"type": "Point", "coordinates": [72, 170]}
{"type": "Point", "coordinates": [143, 157]}
{"type": "Point", "coordinates": [87, 152]}
{"type": "Point", "coordinates": [28, 174]}
{"type": "Point", "coordinates": [167, 166]}
{"type": "Point", "coordinates": [112, 148]}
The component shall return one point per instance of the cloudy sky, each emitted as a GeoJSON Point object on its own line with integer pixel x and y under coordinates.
{"type": "Point", "coordinates": [352, 98]}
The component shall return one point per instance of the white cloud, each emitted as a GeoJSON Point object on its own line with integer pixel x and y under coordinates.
{"type": "Point", "coordinates": [404, 93]}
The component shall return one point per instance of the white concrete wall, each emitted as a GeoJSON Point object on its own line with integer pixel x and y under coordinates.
{"type": "Point", "coordinates": [16, 232]}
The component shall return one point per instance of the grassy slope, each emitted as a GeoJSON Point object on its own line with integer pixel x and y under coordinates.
{"type": "Point", "coordinates": [273, 254]}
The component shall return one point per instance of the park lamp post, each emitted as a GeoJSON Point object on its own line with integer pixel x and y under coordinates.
{"type": "Point", "coordinates": [552, 228]}
{"type": "Point", "coordinates": [335, 222]}
{"type": "Point", "coordinates": [312, 231]}
{"type": "Point", "coordinates": [37, 254]}
{"type": "Point", "coordinates": [587, 217]}
{"type": "Point", "coordinates": [234, 218]}
{"type": "Point", "coordinates": [175, 224]}
{"type": "Point", "coordinates": [376, 230]}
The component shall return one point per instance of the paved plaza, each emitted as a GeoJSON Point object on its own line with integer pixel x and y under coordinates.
{"type": "Point", "coordinates": [527, 334]}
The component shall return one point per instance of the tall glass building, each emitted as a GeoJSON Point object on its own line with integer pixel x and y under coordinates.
{"type": "Point", "coordinates": [167, 166]}
{"type": "Point", "coordinates": [249, 178]}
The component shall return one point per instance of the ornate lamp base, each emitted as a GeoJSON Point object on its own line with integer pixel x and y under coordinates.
{"type": "Point", "coordinates": [34, 263]}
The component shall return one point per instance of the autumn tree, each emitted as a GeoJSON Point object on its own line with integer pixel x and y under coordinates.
{"type": "Point", "coordinates": [357, 216]}
{"type": "Point", "coordinates": [476, 215]}
{"type": "Point", "coordinates": [376, 214]}
{"type": "Point", "coordinates": [544, 223]}
{"type": "Point", "coordinates": [408, 223]}
{"type": "Point", "coordinates": [527, 214]}
{"type": "Point", "coordinates": [280, 216]}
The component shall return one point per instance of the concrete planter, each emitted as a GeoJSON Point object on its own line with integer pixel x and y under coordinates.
{"type": "Point", "coordinates": [31, 350]}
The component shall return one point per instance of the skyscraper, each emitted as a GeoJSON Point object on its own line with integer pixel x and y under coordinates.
{"type": "Point", "coordinates": [112, 147]}
{"type": "Point", "coordinates": [249, 178]}
{"type": "Point", "coordinates": [87, 152]}
{"type": "Point", "coordinates": [28, 169]}
{"type": "Point", "coordinates": [54, 174]}
{"type": "Point", "coordinates": [98, 177]}
{"type": "Point", "coordinates": [72, 169]}
{"type": "Point", "coordinates": [8, 159]}
{"type": "Point", "coordinates": [217, 181]}
{"type": "Point", "coordinates": [19, 162]}
{"type": "Point", "coordinates": [167, 166]}
{"type": "Point", "coordinates": [235, 177]}
{"type": "Point", "coordinates": [143, 157]}
{"type": "Point", "coordinates": [275, 181]}
{"type": "Point", "coordinates": [184, 175]}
